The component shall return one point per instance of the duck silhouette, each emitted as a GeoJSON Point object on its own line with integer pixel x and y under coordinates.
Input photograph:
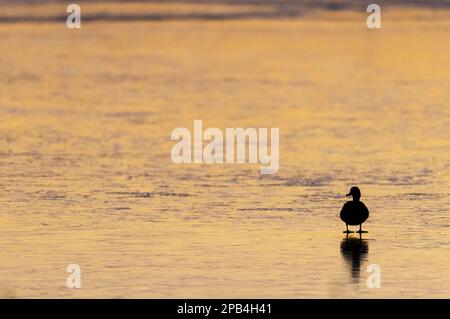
{"type": "Point", "coordinates": [354, 212]}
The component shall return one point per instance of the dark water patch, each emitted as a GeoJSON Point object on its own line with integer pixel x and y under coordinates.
{"type": "Point", "coordinates": [49, 195]}
{"type": "Point", "coordinates": [22, 77]}
{"type": "Point", "coordinates": [268, 209]}
{"type": "Point", "coordinates": [404, 182]}
{"type": "Point", "coordinates": [132, 194]}
{"type": "Point", "coordinates": [209, 185]}
{"type": "Point", "coordinates": [123, 17]}
{"type": "Point", "coordinates": [397, 180]}
{"type": "Point", "coordinates": [425, 172]}
{"type": "Point", "coordinates": [335, 6]}
{"type": "Point", "coordinates": [421, 196]}
{"type": "Point", "coordinates": [174, 194]}
{"type": "Point", "coordinates": [308, 182]}
{"type": "Point", "coordinates": [274, 185]}
{"type": "Point", "coordinates": [298, 180]}
{"type": "Point", "coordinates": [266, 9]}
{"type": "Point", "coordinates": [150, 194]}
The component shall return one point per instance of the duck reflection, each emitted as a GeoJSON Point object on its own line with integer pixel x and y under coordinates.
{"type": "Point", "coordinates": [354, 250]}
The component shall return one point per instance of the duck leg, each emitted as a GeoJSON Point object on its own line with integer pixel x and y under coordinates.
{"type": "Point", "coordinates": [347, 231]}
{"type": "Point", "coordinates": [360, 231]}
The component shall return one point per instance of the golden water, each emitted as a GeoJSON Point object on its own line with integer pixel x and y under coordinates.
{"type": "Point", "coordinates": [86, 175]}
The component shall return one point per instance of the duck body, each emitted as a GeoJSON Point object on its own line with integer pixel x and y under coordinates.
{"type": "Point", "coordinates": [354, 213]}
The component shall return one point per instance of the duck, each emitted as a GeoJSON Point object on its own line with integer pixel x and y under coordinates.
{"type": "Point", "coordinates": [354, 212]}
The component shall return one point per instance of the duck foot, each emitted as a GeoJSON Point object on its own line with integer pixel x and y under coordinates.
{"type": "Point", "coordinates": [348, 231]}
{"type": "Point", "coordinates": [362, 231]}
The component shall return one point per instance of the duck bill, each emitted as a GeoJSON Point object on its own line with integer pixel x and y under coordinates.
{"type": "Point", "coordinates": [349, 194]}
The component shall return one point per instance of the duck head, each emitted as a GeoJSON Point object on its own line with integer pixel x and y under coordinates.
{"type": "Point", "coordinates": [355, 193]}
